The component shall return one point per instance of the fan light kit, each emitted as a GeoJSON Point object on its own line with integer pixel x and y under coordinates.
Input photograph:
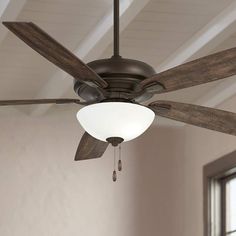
{"type": "Point", "coordinates": [115, 119]}
{"type": "Point", "coordinates": [114, 89]}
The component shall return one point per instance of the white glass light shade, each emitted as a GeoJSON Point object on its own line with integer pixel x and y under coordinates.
{"type": "Point", "coordinates": [115, 119]}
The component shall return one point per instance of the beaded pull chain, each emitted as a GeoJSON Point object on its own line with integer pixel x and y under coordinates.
{"type": "Point", "coordinates": [114, 175]}
{"type": "Point", "coordinates": [120, 162]}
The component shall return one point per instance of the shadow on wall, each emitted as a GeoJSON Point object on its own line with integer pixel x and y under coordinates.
{"type": "Point", "coordinates": [158, 187]}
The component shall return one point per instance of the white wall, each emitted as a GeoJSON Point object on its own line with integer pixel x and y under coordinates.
{"type": "Point", "coordinates": [43, 192]}
{"type": "Point", "coordinates": [202, 147]}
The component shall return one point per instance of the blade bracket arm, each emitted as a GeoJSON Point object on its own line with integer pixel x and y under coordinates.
{"type": "Point", "coordinates": [59, 101]}
{"type": "Point", "coordinates": [154, 87]}
{"type": "Point", "coordinates": [160, 107]}
{"type": "Point", "coordinates": [93, 83]}
{"type": "Point", "coordinates": [90, 81]}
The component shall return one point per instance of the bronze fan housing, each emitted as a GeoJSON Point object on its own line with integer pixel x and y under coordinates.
{"type": "Point", "coordinates": [122, 76]}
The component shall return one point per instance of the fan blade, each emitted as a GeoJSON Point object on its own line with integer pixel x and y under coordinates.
{"type": "Point", "coordinates": [206, 69]}
{"type": "Point", "coordinates": [40, 101]}
{"type": "Point", "coordinates": [90, 148]}
{"type": "Point", "coordinates": [209, 118]}
{"type": "Point", "coordinates": [49, 48]}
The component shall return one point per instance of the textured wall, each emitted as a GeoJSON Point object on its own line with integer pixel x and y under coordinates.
{"type": "Point", "coordinates": [43, 192]}
{"type": "Point", "coordinates": [202, 147]}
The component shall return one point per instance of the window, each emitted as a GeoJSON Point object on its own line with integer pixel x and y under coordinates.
{"type": "Point", "coordinates": [229, 203]}
{"type": "Point", "coordinates": [220, 197]}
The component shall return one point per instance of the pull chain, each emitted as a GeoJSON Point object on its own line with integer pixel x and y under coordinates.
{"type": "Point", "coordinates": [116, 141]}
{"type": "Point", "coordinates": [114, 175]}
{"type": "Point", "coordinates": [120, 162]}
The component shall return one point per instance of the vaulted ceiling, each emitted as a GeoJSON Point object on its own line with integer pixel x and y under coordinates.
{"type": "Point", "coordinates": [164, 33]}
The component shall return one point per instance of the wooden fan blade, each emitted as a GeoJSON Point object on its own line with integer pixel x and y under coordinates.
{"type": "Point", "coordinates": [206, 69]}
{"type": "Point", "coordinates": [49, 48]}
{"type": "Point", "coordinates": [40, 101]}
{"type": "Point", "coordinates": [90, 148]}
{"type": "Point", "coordinates": [209, 118]}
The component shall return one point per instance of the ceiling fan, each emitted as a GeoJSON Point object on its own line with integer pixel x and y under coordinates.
{"type": "Point", "coordinates": [114, 89]}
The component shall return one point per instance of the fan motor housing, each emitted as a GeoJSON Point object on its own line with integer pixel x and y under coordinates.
{"type": "Point", "coordinates": [122, 75]}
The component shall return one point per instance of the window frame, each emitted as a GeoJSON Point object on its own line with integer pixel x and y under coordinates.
{"type": "Point", "coordinates": [224, 203]}
{"type": "Point", "coordinates": [215, 175]}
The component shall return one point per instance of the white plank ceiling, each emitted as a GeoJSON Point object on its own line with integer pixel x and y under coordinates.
{"type": "Point", "coordinates": [163, 26]}
{"type": "Point", "coordinates": [23, 72]}
{"type": "Point", "coordinates": [157, 32]}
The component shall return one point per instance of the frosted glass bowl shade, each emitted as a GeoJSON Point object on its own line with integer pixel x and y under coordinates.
{"type": "Point", "coordinates": [115, 119]}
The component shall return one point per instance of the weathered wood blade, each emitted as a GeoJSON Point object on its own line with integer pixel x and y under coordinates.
{"type": "Point", "coordinates": [90, 148]}
{"type": "Point", "coordinates": [53, 51]}
{"type": "Point", "coordinates": [209, 118]}
{"type": "Point", "coordinates": [204, 70]}
{"type": "Point", "coordinates": [39, 101]}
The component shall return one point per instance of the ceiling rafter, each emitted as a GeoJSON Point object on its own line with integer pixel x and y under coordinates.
{"type": "Point", "coordinates": [9, 10]}
{"type": "Point", "coordinates": [90, 49]}
{"type": "Point", "coordinates": [203, 42]}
